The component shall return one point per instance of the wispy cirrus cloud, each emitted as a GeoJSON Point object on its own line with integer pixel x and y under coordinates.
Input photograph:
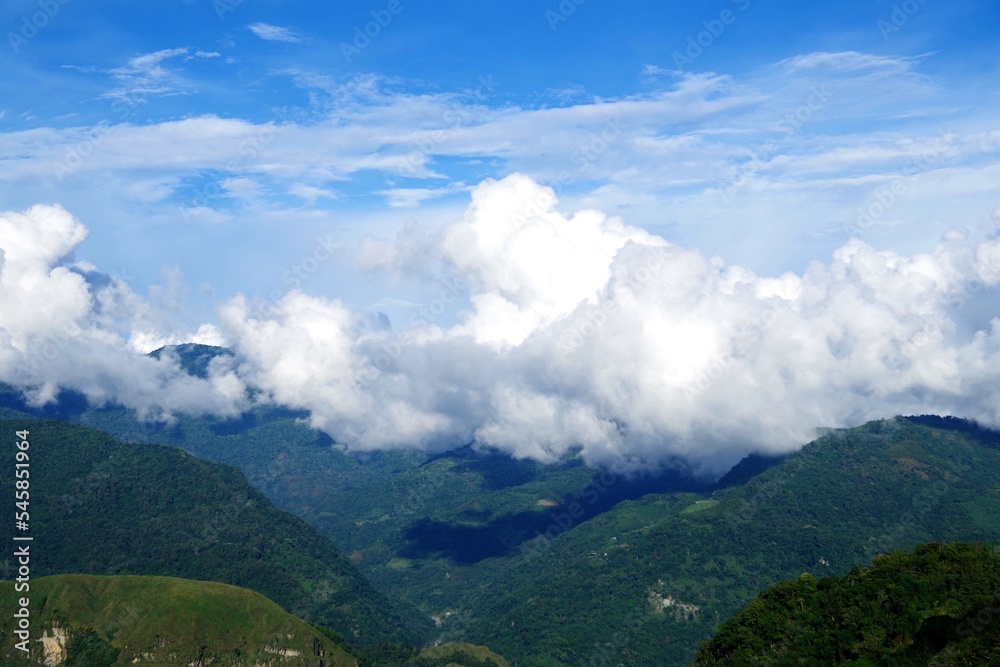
{"type": "Point", "coordinates": [411, 197]}
{"type": "Point", "coordinates": [849, 61]}
{"type": "Point", "coordinates": [148, 75]}
{"type": "Point", "coordinates": [797, 147]}
{"type": "Point", "coordinates": [274, 33]}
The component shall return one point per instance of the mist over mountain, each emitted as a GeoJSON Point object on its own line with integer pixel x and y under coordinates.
{"type": "Point", "coordinates": [575, 331]}
{"type": "Point", "coordinates": [474, 539]}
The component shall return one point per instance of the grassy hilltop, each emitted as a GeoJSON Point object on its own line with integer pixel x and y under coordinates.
{"type": "Point", "coordinates": [93, 621]}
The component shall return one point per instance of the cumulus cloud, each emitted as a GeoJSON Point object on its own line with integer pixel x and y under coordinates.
{"type": "Point", "coordinates": [67, 325]}
{"type": "Point", "coordinates": [584, 332]}
{"type": "Point", "coordinates": [413, 251]}
{"type": "Point", "coordinates": [576, 331]}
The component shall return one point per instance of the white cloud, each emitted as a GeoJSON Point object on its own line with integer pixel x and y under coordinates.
{"type": "Point", "coordinates": [534, 264]}
{"type": "Point", "coordinates": [568, 318]}
{"type": "Point", "coordinates": [684, 155]}
{"type": "Point", "coordinates": [578, 331]}
{"type": "Point", "coordinates": [848, 61]}
{"type": "Point", "coordinates": [411, 197]}
{"type": "Point", "coordinates": [585, 332]}
{"type": "Point", "coordinates": [413, 251]}
{"type": "Point", "coordinates": [145, 342]}
{"type": "Point", "coordinates": [273, 33]}
{"type": "Point", "coordinates": [146, 75]}
{"type": "Point", "coordinates": [311, 194]}
{"type": "Point", "coordinates": [70, 326]}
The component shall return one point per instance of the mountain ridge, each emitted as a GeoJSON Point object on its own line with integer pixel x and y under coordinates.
{"type": "Point", "coordinates": [107, 507]}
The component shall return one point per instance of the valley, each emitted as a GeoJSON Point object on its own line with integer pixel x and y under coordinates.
{"type": "Point", "coordinates": [551, 566]}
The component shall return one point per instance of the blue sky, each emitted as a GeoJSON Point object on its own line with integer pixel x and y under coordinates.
{"type": "Point", "coordinates": [495, 66]}
{"type": "Point", "coordinates": [204, 151]}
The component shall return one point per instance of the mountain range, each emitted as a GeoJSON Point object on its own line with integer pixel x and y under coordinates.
{"type": "Point", "coordinates": [549, 565]}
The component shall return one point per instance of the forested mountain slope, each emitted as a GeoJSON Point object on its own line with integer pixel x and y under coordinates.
{"type": "Point", "coordinates": [648, 580]}
{"type": "Point", "coordinates": [100, 506]}
{"type": "Point", "coordinates": [936, 606]}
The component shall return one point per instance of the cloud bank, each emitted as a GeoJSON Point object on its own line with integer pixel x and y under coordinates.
{"type": "Point", "coordinates": [577, 331]}
{"type": "Point", "coordinates": [67, 325]}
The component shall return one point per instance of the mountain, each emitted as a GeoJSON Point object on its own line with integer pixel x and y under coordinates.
{"type": "Point", "coordinates": [194, 358]}
{"type": "Point", "coordinates": [937, 605]}
{"type": "Point", "coordinates": [423, 528]}
{"type": "Point", "coordinates": [559, 565]}
{"type": "Point", "coordinates": [93, 621]}
{"type": "Point", "coordinates": [647, 581]}
{"type": "Point", "coordinates": [101, 506]}
{"type": "Point", "coordinates": [450, 654]}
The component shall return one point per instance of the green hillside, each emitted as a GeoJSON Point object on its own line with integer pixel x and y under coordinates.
{"type": "Point", "coordinates": [92, 621]}
{"type": "Point", "coordinates": [100, 506]}
{"type": "Point", "coordinates": [639, 578]}
{"type": "Point", "coordinates": [454, 653]}
{"type": "Point", "coordinates": [939, 605]}
{"type": "Point", "coordinates": [423, 528]}
{"type": "Point", "coordinates": [646, 582]}
{"type": "Point", "coordinates": [450, 654]}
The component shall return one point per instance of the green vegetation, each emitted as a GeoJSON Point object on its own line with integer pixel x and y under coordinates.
{"type": "Point", "coordinates": [453, 520]}
{"type": "Point", "coordinates": [939, 605]}
{"type": "Point", "coordinates": [92, 621]}
{"type": "Point", "coordinates": [87, 648]}
{"type": "Point", "coordinates": [648, 569]}
{"type": "Point", "coordinates": [100, 506]}
{"type": "Point", "coordinates": [646, 582]}
{"type": "Point", "coordinates": [466, 655]}
{"type": "Point", "coordinates": [451, 654]}
{"type": "Point", "coordinates": [699, 506]}
{"type": "Point", "coordinates": [194, 358]}
{"type": "Point", "coordinates": [424, 529]}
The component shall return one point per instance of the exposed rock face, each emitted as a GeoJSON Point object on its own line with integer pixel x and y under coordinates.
{"type": "Point", "coordinates": [54, 646]}
{"type": "Point", "coordinates": [682, 611]}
